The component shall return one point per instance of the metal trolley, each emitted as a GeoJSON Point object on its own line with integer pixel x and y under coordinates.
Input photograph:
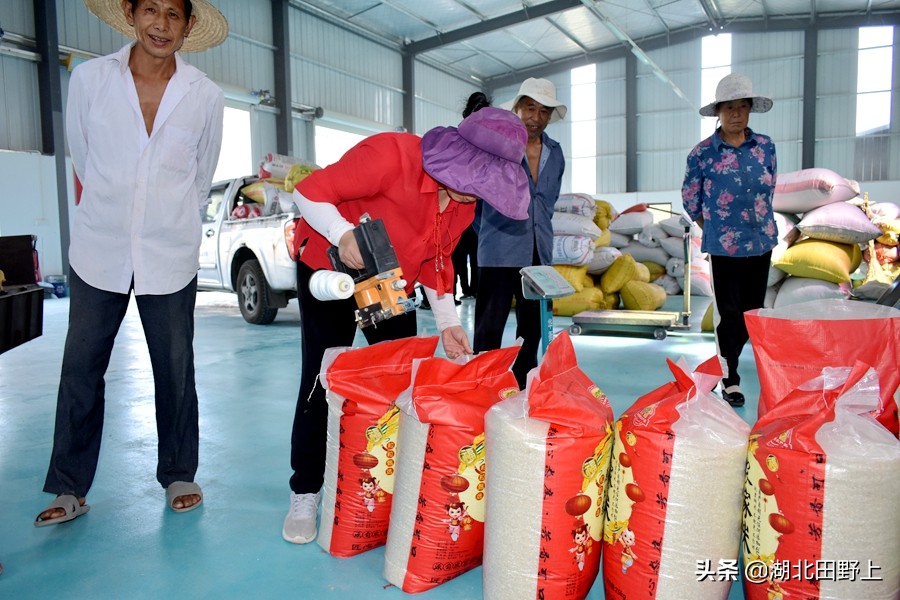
{"type": "Point", "coordinates": [657, 323]}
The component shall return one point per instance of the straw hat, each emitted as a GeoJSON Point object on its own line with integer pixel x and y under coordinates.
{"type": "Point", "coordinates": [210, 28]}
{"type": "Point", "coordinates": [736, 87]}
{"type": "Point", "coordinates": [543, 92]}
{"type": "Point", "coordinates": [482, 157]}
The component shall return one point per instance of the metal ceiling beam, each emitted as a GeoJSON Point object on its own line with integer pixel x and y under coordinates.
{"type": "Point", "coordinates": [657, 15]}
{"type": "Point", "coordinates": [633, 47]}
{"type": "Point", "coordinates": [507, 20]}
{"type": "Point", "coordinates": [657, 42]}
{"type": "Point", "coordinates": [713, 14]}
{"type": "Point", "coordinates": [566, 33]}
{"type": "Point", "coordinates": [405, 11]}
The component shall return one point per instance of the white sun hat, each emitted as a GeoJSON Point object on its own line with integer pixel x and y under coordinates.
{"type": "Point", "coordinates": [736, 87]}
{"type": "Point", "coordinates": [210, 28]}
{"type": "Point", "coordinates": [543, 92]}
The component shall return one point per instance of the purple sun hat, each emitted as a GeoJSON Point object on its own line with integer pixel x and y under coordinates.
{"type": "Point", "coordinates": [482, 157]}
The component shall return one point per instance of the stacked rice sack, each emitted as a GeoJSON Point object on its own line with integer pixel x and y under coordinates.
{"type": "Point", "coordinates": [575, 236]}
{"type": "Point", "coordinates": [661, 247]}
{"type": "Point", "coordinates": [675, 491]}
{"type": "Point", "coordinates": [361, 386]}
{"type": "Point", "coordinates": [548, 451]}
{"type": "Point", "coordinates": [278, 174]}
{"type": "Point", "coordinates": [436, 531]}
{"type": "Point", "coordinates": [820, 237]}
{"type": "Point", "coordinates": [653, 269]}
{"type": "Point", "coordinates": [823, 477]}
{"type": "Point", "coordinates": [881, 256]}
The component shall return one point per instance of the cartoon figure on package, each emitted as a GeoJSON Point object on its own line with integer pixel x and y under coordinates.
{"type": "Point", "coordinates": [581, 538]}
{"type": "Point", "coordinates": [456, 510]}
{"type": "Point", "coordinates": [369, 491]}
{"type": "Point", "coordinates": [775, 591]}
{"type": "Point", "coordinates": [627, 539]}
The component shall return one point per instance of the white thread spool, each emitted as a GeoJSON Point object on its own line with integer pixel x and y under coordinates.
{"type": "Point", "coordinates": [331, 285]}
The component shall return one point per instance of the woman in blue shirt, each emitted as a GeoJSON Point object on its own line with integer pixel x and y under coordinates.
{"type": "Point", "coordinates": [727, 190]}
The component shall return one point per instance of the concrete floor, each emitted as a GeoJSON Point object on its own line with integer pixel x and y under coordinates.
{"type": "Point", "coordinates": [131, 546]}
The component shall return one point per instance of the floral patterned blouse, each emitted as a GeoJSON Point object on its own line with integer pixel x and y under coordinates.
{"type": "Point", "coordinates": [731, 188]}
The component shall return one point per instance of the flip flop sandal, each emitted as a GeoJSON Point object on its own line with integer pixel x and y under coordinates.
{"type": "Point", "coordinates": [68, 503]}
{"type": "Point", "coordinates": [183, 488]}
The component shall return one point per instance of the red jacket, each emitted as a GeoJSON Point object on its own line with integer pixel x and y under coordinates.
{"type": "Point", "coordinates": [383, 176]}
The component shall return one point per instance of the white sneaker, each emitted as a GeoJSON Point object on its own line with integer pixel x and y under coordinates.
{"type": "Point", "coordinates": [300, 522]}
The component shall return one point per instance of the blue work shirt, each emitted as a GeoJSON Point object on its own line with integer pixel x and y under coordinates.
{"type": "Point", "coordinates": [505, 242]}
{"type": "Point", "coordinates": [732, 188]}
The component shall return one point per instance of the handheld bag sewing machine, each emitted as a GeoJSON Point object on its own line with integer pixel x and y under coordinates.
{"type": "Point", "coordinates": [379, 288]}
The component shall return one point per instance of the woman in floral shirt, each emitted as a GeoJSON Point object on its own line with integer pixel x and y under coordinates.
{"type": "Point", "coordinates": [727, 190]}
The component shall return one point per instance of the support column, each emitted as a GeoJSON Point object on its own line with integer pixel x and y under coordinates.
{"type": "Point", "coordinates": [631, 166]}
{"type": "Point", "coordinates": [281, 38]}
{"type": "Point", "coordinates": [409, 91]}
{"type": "Point", "coordinates": [810, 66]}
{"type": "Point", "coordinates": [51, 109]}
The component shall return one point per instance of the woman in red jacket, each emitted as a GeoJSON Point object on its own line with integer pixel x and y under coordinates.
{"type": "Point", "coordinates": [424, 190]}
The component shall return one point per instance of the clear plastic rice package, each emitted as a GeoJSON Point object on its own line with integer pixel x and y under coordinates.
{"type": "Point", "coordinates": [548, 452]}
{"type": "Point", "coordinates": [436, 531]}
{"type": "Point", "coordinates": [820, 509]}
{"type": "Point", "coordinates": [675, 490]}
{"type": "Point", "coordinates": [792, 344]}
{"type": "Point", "coordinates": [361, 386]}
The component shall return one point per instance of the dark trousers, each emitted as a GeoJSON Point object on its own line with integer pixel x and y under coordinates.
{"type": "Point", "coordinates": [739, 284]}
{"type": "Point", "coordinates": [323, 325]}
{"type": "Point", "coordinates": [466, 251]}
{"type": "Point", "coordinates": [94, 319]}
{"type": "Point", "coordinates": [497, 286]}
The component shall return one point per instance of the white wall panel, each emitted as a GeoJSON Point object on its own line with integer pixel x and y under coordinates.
{"type": "Point", "coordinates": [17, 16]}
{"type": "Point", "coordinates": [836, 101]}
{"type": "Point", "coordinates": [667, 127]}
{"type": "Point", "coordinates": [20, 125]}
{"type": "Point", "coordinates": [774, 63]}
{"type": "Point", "coordinates": [340, 71]}
{"type": "Point", "coordinates": [440, 98]}
{"type": "Point", "coordinates": [610, 174]}
{"type": "Point", "coordinates": [611, 126]}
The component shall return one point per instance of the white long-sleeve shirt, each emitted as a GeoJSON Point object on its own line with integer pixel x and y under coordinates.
{"type": "Point", "coordinates": [139, 213]}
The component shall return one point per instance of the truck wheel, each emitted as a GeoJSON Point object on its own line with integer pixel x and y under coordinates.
{"type": "Point", "coordinates": [253, 294]}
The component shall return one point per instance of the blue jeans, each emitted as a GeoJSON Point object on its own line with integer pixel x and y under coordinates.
{"type": "Point", "coordinates": [94, 319]}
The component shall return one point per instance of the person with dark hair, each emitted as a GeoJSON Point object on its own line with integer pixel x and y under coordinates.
{"type": "Point", "coordinates": [728, 187]}
{"type": "Point", "coordinates": [144, 129]}
{"type": "Point", "coordinates": [465, 255]}
{"type": "Point", "coordinates": [505, 246]}
{"type": "Point", "coordinates": [424, 190]}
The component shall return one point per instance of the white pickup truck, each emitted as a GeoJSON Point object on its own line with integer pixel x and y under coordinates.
{"type": "Point", "coordinates": [249, 256]}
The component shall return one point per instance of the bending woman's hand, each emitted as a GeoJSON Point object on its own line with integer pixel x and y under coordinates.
{"type": "Point", "coordinates": [455, 341]}
{"type": "Point", "coordinates": [349, 252]}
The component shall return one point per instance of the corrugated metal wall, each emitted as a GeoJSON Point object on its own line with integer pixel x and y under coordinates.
{"type": "Point", "coordinates": [667, 126]}
{"type": "Point", "coordinates": [611, 126]}
{"type": "Point", "coordinates": [340, 71]}
{"type": "Point", "coordinates": [20, 125]}
{"type": "Point", "coordinates": [440, 98]}
{"type": "Point", "coordinates": [774, 62]}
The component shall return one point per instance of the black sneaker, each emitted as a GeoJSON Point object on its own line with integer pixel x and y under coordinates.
{"type": "Point", "coordinates": [735, 399]}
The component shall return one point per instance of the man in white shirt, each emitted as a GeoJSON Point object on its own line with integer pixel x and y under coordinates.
{"type": "Point", "coordinates": [144, 131]}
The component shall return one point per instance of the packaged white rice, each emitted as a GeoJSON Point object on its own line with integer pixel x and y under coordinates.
{"type": "Point", "coordinates": [361, 386]}
{"type": "Point", "coordinates": [548, 451]}
{"type": "Point", "coordinates": [437, 519]}
{"type": "Point", "coordinates": [675, 490]}
{"type": "Point", "coordinates": [823, 478]}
